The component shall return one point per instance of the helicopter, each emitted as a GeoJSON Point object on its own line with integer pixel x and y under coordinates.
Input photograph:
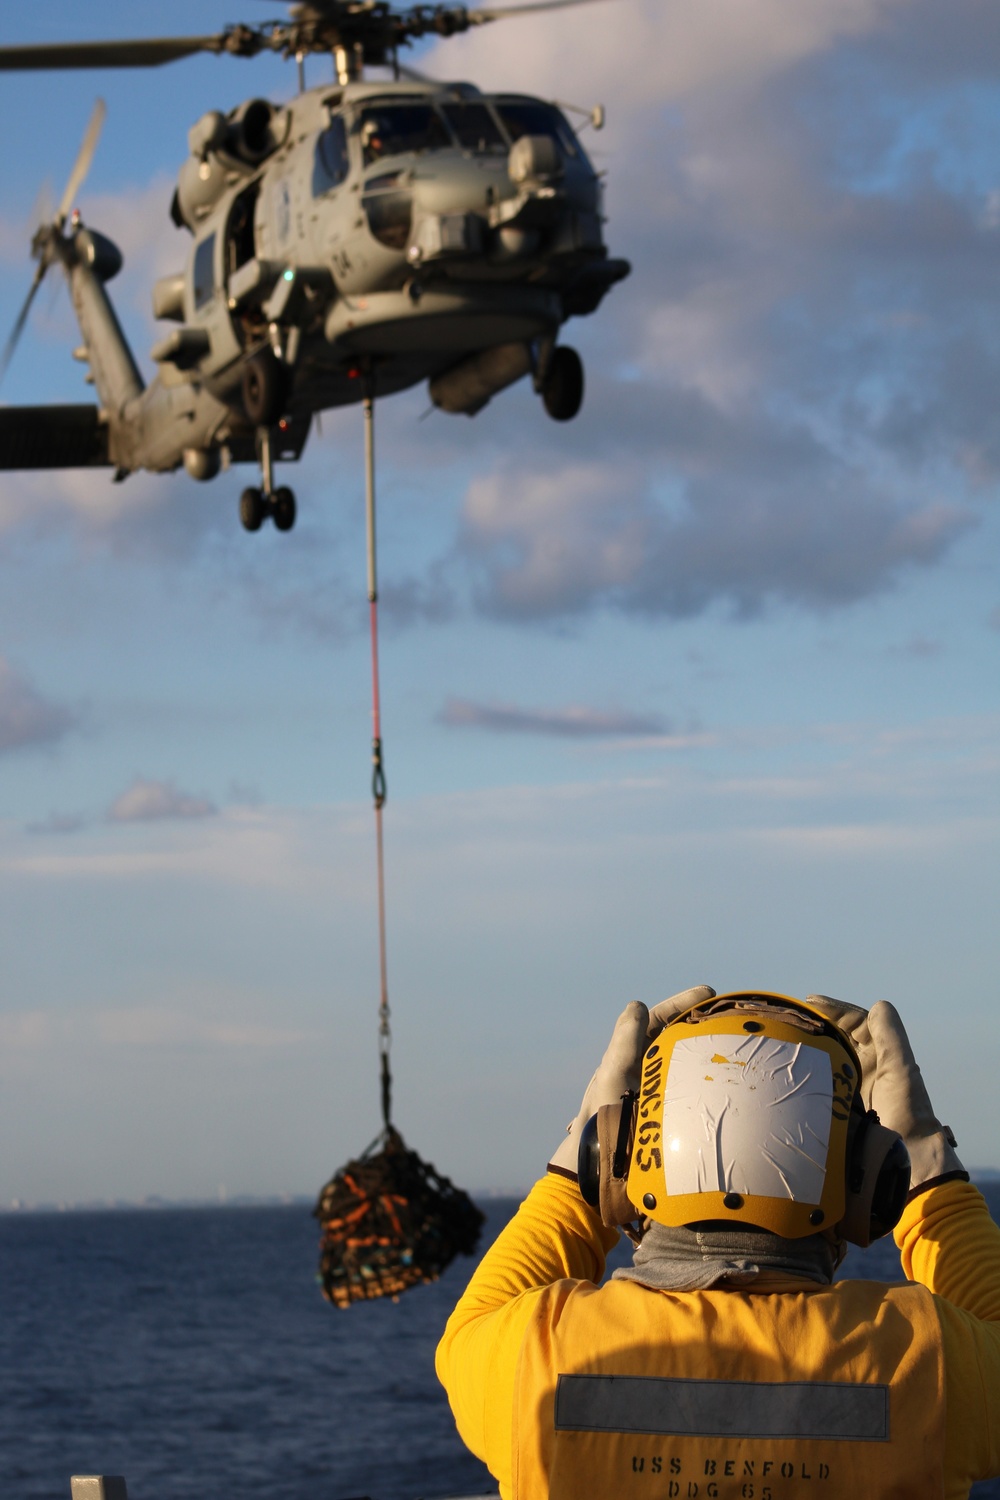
{"type": "Point", "coordinates": [364, 237]}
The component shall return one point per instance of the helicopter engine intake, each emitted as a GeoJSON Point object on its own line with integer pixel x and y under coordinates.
{"type": "Point", "coordinates": [221, 146]}
{"type": "Point", "coordinates": [255, 130]}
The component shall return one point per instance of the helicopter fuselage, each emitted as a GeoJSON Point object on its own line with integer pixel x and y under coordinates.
{"type": "Point", "coordinates": [364, 237]}
{"type": "Point", "coordinates": [399, 226]}
{"type": "Point", "coordinates": [356, 241]}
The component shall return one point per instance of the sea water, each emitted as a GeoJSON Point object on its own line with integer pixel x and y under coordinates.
{"type": "Point", "coordinates": [190, 1351]}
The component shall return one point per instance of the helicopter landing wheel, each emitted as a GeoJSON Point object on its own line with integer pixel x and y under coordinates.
{"type": "Point", "coordinates": [265, 388]}
{"type": "Point", "coordinates": [283, 509]}
{"type": "Point", "coordinates": [562, 393]}
{"type": "Point", "coordinates": [253, 509]}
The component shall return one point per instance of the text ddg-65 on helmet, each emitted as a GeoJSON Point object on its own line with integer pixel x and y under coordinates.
{"type": "Point", "coordinates": [749, 1115]}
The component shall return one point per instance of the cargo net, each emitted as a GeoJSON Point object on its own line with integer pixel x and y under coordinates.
{"type": "Point", "coordinates": [389, 1221]}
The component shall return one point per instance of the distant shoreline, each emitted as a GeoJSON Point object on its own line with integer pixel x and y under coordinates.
{"type": "Point", "coordinates": [17, 1207]}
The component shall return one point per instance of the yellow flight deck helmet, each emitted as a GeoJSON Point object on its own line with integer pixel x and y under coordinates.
{"type": "Point", "coordinates": [749, 1115]}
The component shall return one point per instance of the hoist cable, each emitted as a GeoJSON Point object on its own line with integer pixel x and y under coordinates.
{"type": "Point", "coordinates": [378, 773]}
{"type": "Point", "coordinates": [389, 1220]}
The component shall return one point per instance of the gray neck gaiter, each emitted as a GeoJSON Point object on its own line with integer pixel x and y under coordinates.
{"type": "Point", "coordinates": [691, 1260]}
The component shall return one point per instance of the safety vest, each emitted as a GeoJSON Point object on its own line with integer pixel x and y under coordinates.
{"type": "Point", "coordinates": [835, 1393]}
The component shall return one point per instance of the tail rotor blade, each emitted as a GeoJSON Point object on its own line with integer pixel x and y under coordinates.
{"type": "Point", "coordinates": [45, 205]}
{"type": "Point", "coordinates": [44, 245]}
{"type": "Point", "coordinates": [22, 318]}
{"type": "Point", "coordinates": [82, 164]}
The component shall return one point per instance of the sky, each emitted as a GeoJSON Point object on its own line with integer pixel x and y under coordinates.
{"type": "Point", "coordinates": [701, 687]}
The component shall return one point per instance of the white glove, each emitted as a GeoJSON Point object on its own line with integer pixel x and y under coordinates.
{"type": "Point", "coordinates": [900, 1099]}
{"type": "Point", "coordinates": [664, 1012]}
{"type": "Point", "coordinates": [853, 1021]}
{"type": "Point", "coordinates": [619, 1068]}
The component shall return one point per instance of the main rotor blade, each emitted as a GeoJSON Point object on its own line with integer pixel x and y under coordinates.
{"type": "Point", "coordinates": [405, 71]}
{"type": "Point", "coordinates": [22, 318]}
{"type": "Point", "coordinates": [500, 12]}
{"type": "Point", "coordinates": [144, 53]}
{"type": "Point", "coordinates": [82, 164]}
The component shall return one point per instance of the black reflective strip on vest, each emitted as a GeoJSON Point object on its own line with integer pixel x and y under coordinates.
{"type": "Point", "coordinates": [722, 1408]}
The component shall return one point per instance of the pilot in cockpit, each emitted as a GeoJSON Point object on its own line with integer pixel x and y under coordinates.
{"type": "Point", "coordinates": [372, 142]}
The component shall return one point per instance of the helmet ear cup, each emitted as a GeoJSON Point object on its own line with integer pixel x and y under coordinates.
{"type": "Point", "coordinates": [891, 1189]}
{"type": "Point", "coordinates": [604, 1158]}
{"type": "Point", "coordinates": [878, 1179]}
{"type": "Point", "coordinates": [588, 1164]}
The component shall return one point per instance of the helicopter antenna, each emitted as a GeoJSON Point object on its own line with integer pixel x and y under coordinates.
{"type": "Point", "coordinates": [596, 116]}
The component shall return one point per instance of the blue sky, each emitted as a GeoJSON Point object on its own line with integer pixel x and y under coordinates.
{"type": "Point", "coordinates": [701, 687]}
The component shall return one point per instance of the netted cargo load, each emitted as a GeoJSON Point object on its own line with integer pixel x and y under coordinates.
{"type": "Point", "coordinates": [390, 1221]}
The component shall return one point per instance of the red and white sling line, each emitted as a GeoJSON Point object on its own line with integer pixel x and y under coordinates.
{"type": "Point", "coordinates": [378, 773]}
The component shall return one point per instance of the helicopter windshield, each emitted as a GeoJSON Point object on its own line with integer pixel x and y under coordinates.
{"type": "Point", "coordinates": [532, 117]}
{"type": "Point", "coordinates": [475, 128]}
{"type": "Point", "coordinates": [397, 129]}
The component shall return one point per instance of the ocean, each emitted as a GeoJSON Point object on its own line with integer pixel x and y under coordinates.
{"type": "Point", "coordinates": [190, 1351]}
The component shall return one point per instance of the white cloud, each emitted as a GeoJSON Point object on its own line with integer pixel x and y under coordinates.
{"type": "Point", "coordinates": [216, 1020]}
{"type": "Point", "coordinates": [809, 334]}
{"type": "Point", "coordinates": [26, 717]}
{"type": "Point", "coordinates": [145, 1026]}
{"type": "Point", "coordinates": [150, 801]}
{"type": "Point", "coordinates": [575, 721]}
{"type": "Point", "coordinates": [25, 1031]}
{"type": "Point", "coordinates": [57, 822]}
{"type": "Point", "coordinates": [34, 499]}
{"type": "Point", "coordinates": [548, 544]}
{"type": "Point", "coordinates": [917, 648]}
{"type": "Point", "coordinates": [665, 51]}
{"type": "Point", "coordinates": [265, 848]}
{"type": "Point", "coordinates": [875, 840]}
{"type": "Point", "coordinates": [771, 779]}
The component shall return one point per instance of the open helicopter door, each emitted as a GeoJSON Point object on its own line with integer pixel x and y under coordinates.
{"type": "Point", "coordinates": [240, 235]}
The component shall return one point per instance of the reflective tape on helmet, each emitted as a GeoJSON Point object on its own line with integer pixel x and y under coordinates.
{"type": "Point", "coordinates": [747, 1114]}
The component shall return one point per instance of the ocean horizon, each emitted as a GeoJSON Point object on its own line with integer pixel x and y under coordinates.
{"type": "Point", "coordinates": [152, 1202]}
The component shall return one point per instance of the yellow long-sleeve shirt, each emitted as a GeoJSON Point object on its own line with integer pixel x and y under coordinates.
{"type": "Point", "coordinates": [537, 1283]}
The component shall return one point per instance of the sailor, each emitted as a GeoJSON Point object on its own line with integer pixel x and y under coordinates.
{"type": "Point", "coordinates": [741, 1140]}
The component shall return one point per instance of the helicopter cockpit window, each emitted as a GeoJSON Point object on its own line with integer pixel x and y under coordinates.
{"type": "Point", "coordinates": [204, 272]}
{"type": "Point", "coordinates": [474, 127]}
{"type": "Point", "coordinates": [396, 129]}
{"type": "Point", "coordinates": [531, 117]}
{"type": "Point", "coordinates": [331, 164]}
